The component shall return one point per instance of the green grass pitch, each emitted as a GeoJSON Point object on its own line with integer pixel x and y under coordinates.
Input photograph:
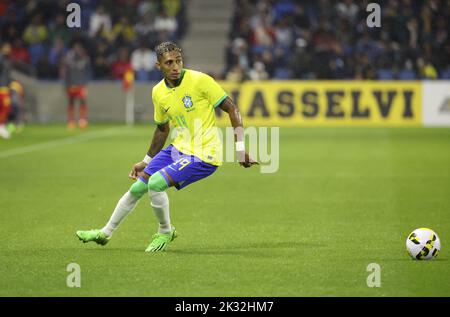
{"type": "Point", "coordinates": [343, 198]}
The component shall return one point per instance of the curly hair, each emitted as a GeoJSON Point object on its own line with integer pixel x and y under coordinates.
{"type": "Point", "coordinates": [165, 47]}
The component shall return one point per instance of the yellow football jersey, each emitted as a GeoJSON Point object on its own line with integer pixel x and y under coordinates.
{"type": "Point", "coordinates": [189, 107]}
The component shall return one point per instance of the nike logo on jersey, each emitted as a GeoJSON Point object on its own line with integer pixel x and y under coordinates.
{"type": "Point", "coordinates": [165, 110]}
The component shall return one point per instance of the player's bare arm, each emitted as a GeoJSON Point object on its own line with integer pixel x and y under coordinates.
{"type": "Point", "coordinates": [159, 139]}
{"type": "Point", "coordinates": [229, 107]}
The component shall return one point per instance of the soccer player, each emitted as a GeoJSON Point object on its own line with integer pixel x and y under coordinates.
{"type": "Point", "coordinates": [5, 97]}
{"type": "Point", "coordinates": [16, 115]}
{"type": "Point", "coordinates": [186, 100]}
{"type": "Point", "coordinates": [76, 71]}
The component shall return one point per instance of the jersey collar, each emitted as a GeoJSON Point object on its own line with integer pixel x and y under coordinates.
{"type": "Point", "coordinates": [178, 83]}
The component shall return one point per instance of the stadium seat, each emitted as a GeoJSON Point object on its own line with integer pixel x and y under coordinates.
{"type": "Point", "coordinates": [445, 74]}
{"type": "Point", "coordinates": [282, 73]}
{"type": "Point", "coordinates": [406, 74]}
{"type": "Point", "coordinates": [154, 75]}
{"type": "Point", "coordinates": [142, 75]}
{"type": "Point", "coordinates": [36, 51]}
{"type": "Point", "coordinates": [385, 74]}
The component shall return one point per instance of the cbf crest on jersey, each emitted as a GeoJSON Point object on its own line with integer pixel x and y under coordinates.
{"type": "Point", "coordinates": [188, 104]}
{"type": "Point", "coordinates": [187, 100]}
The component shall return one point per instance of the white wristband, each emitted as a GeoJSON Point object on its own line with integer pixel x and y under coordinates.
{"type": "Point", "coordinates": [240, 147]}
{"type": "Point", "coordinates": [147, 159]}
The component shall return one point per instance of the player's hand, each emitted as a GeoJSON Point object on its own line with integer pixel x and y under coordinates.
{"type": "Point", "coordinates": [245, 159]}
{"type": "Point", "coordinates": [137, 168]}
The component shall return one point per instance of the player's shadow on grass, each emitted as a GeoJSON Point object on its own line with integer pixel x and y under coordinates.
{"type": "Point", "coordinates": [249, 249]}
{"type": "Point", "coordinates": [255, 249]}
{"type": "Point", "coordinates": [407, 259]}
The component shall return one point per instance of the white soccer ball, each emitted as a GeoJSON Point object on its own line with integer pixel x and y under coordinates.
{"type": "Point", "coordinates": [423, 244]}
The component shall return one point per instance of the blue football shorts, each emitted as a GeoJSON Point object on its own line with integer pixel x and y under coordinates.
{"type": "Point", "coordinates": [183, 168]}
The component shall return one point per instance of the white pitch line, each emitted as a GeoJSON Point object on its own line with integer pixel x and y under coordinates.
{"type": "Point", "coordinates": [70, 140]}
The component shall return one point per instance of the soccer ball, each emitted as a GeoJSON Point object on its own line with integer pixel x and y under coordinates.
{"type": "Point", "coordinates": [423, 244]}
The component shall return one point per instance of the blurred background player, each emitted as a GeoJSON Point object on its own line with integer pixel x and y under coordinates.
{"type": "Point", "coordinates": [16, 118]}
{"type": "Point", "coordinates": [76, 71]}
{"type": "Point", "coordinates": [5, 79]}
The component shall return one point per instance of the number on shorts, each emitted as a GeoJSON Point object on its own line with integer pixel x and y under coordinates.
{"type": "Point", "coordinates": [183, 163]}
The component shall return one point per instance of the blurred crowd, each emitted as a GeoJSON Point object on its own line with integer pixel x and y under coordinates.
{"type": "Point", "coordinates": [326, 39]}
{"type": "Point", "coordinates": [115, 34]}
{"type": "Point", "coordinates": [269, 39]}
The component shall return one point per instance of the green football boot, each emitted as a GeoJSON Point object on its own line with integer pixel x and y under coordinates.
{"type": "Point", "coordinates": [95, 235]}
{"type": "Point", "coordinates": [161, 240]}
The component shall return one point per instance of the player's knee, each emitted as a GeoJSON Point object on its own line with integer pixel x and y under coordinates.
{"type": "Point", "coordinates": [157, 183]}
{"type": "Point", "coordinates": [138, 189]}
